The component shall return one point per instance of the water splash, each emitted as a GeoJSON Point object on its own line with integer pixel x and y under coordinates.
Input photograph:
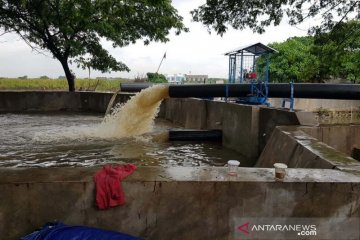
{"type": "Point", "coordinates": [136, 116]}
{"type": "Point", "coordinates": [130, 119]}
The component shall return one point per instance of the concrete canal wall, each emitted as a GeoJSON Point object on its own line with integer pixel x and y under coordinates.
{"type": "Point", "coordinates": [26, 101]}
{"type": "Point", "coordinates": [173, 203]}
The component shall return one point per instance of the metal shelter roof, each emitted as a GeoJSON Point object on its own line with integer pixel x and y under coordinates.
{"type": "Point", "coordinates": [257, 49]}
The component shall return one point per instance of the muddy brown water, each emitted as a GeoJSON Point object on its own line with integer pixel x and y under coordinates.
{"type": "Point", "coordinates": [56, 140]}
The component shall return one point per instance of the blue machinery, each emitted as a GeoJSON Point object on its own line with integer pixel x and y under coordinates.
{"type": "Point", "coordinates": [243, 68]}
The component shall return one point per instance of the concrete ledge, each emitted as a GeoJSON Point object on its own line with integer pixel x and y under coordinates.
{"type": "Point", "coordinates": [172, 203]}
{"type": "Point", "coordinates": [178, 174]}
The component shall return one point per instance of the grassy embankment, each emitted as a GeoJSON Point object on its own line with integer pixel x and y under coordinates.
{"type": "Point", "coordinates": [60, 84]}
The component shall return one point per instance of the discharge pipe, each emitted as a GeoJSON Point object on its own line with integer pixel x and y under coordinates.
{"type": "Point", "coordinates": [275, 90]}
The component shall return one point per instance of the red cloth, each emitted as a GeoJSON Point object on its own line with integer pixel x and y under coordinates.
{"type": "Point", "coordinates": [108, 185]}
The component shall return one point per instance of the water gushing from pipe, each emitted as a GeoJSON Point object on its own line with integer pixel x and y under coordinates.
{"type": "Point", "coordinates": [130, 119]}
{"type": "Point", "coordinates": [136, 116]}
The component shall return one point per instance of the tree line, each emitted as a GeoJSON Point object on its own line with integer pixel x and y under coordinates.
{"type": "Point", "coordinates": [331, 55]}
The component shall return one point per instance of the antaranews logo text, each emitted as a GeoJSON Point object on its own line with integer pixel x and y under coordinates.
{"type": "Point", "coordinates": [300, 229]}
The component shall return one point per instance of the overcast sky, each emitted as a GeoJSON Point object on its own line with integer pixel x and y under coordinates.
{"type": "Point", "coordinates": [197, 52]}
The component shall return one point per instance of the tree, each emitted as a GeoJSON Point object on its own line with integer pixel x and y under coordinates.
{"type": "Point", "coordinates": [257, 14]}
{"type": "Point", "coordinates": [339, 52]}
{"type": "Point", "coordinates": [72, 29]}
{"type": "Point", "coordinates": [156, 78]}
{"type": "Point", "coordinates": [294, 61]}
{"type": "Point", "coordinates": [329, 55]}
{"type": "Point", "coordinates": [23, 77]}
{"type": "Point", "coordinates": [85, 64]}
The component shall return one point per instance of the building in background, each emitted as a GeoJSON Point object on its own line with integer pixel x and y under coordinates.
{"type": "Point", "coordinates": [189, 78]}
{"type": "Point", "coordinates": [177, 78]}
{"type": "Point", "coordinates": [180, 78]}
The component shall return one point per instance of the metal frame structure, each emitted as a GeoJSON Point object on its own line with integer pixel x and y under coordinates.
{"type": "Point", "coordinates": [242, 62]}
{"type": "Point", "coordinates": [291, 99]}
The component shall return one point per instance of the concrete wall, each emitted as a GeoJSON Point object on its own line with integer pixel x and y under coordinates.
{"type": "Point", "coordinates": [315, 104]}
{"type": "Point", "coordinates": [11, 101]}
{"type": "Point", "coordinates": [239, 123]}
{"type": "Point", "coordinates": [246, 128]}
{"type": "Point", "coordinates": [190, 113]}
{"type": "Point", "coordinates": [269, 118]}
{"type": "Point", "coordinates": [328, 111]}
{"type": "Point", "coordinates": [341, 137]}
{"type": "Point", "coordinates": [292, 146]}
{"type": "Point", "coordinates": [338, 116]}
{"type": "Point", "coordinates": [173, 203]}
{"type": "Point", "coordinates": [240, 129]}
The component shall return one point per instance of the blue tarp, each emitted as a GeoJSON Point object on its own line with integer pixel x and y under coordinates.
{"type": "Point", "coordinates": [60, 231]}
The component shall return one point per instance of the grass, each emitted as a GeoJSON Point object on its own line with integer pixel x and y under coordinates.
{"type": "Point", "coordinates": [60, 84]}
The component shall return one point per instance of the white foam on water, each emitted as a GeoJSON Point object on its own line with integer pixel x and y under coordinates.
{"type": "Point", "coordinates": [134, 118]}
